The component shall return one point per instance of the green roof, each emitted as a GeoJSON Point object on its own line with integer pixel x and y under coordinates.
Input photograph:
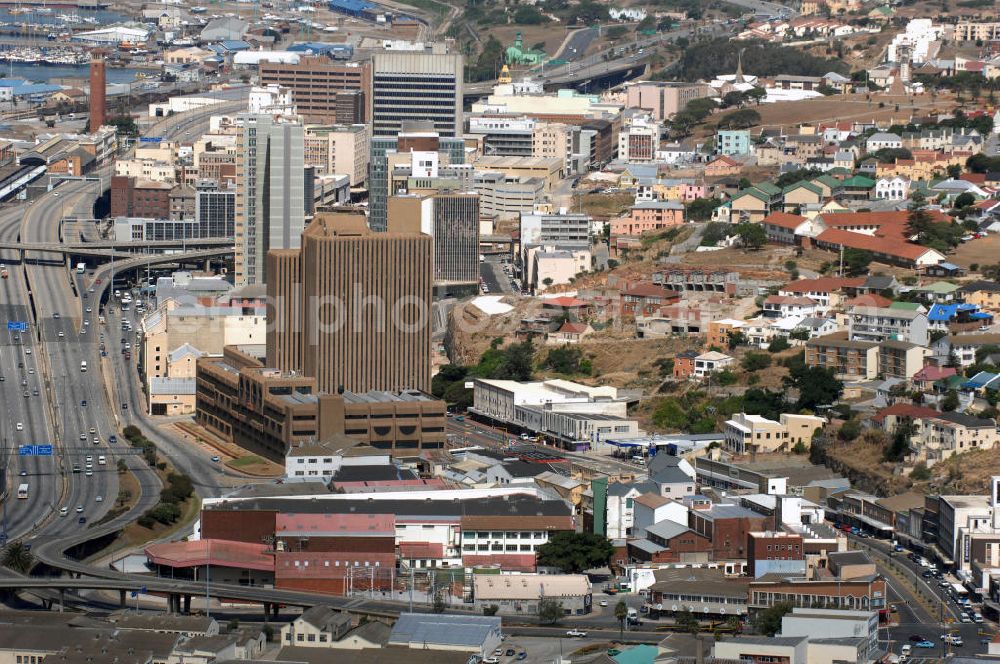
{"type": "Point", "coordinates": [940, 287]}
{"type": "Point", "coordinates": [828, 180]}
{"type": "Point", "coordinates": [768, 188]}
{"type": "Point", "coordinates": [905, 306]}
{"type": "Point", "coordinates": [759, 195]}
{"type": "Point", "coordinates": [859, 181]}
{"type": "Point", "coordinates": [803, 184]}
{"type": "Point", "coordinates": [839, 170]}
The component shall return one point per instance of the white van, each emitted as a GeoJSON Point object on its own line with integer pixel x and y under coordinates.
{"type": "Point", "coordinates": [977, 617]}
{"type": "Point", "coordinates": [101, 460]}
{"type": "Point", "coordinates": [906, 649]}
{"type": "Point", "coordinates": [83, 366]}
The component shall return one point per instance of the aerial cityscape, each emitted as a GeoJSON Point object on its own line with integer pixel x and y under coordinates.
{"type": "Point", "coordinates": [480, 332]}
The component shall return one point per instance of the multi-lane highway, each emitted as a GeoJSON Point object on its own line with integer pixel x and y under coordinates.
{"type": "Point", "coordinates": [25, 417]}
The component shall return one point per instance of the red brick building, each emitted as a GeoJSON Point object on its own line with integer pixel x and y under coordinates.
{"type": "Point", "coordinates": [727, 526]}
{"type": "Point", "coordinates": [769, 545]}
{"type": "Point", "coordinates": [131, 197]}
{"type": "Point", "coordinates": [668, 542]}
{"type": "Point", "coordinates": [646, 299]}
{"type": "Point", "coordinates": [684, 364]}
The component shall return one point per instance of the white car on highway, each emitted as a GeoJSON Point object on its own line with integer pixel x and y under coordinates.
{"type": "Point", "coordinates": [576, 633]}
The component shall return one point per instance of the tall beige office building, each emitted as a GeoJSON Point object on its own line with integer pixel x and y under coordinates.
{"type": "Point", "coordinates": [351, 307]}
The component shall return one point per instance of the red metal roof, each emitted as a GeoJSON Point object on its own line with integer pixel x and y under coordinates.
{"type": "Point", "coordinates": [784, 220]}
{"type": "Point", "coordinates": [932, 373]}
{"type": "Point", "coordinates": [563, 302]}
{"type": "Point", "coordinates": [421, 550]}
{"type": "Point", "coordinates": [872, 300]}
{"type": "Point", "coordinates": [334, 525]}
{"type": "Point", "coordinates": [823, 284]}
{"type": "Point", "coordinates": [222, 553]}
{"type": "Point", "coordinates": [905, 410]}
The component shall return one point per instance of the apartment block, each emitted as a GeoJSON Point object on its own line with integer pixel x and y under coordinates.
{"type": "Point", "coordinates": [977, 31]}
{"type": "Point", "coordinates": [270, 195]}
{"type": "Point", "coordinates": [901, 359]}
{"type": "Point", "coordinates": [947, 434]}
{"type": "Point", "coordinates": [352, 306]}
{"type": "Point", "coordinates": [885, 323]}
{"type": "Point", "coordinates": [851, 360]}
{"type": "Point", "coordinates": [136, 197]}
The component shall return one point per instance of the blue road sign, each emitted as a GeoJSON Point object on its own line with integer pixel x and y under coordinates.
{"type": "Point", "coordinates": [135, 593]}
{"type": "Point", "coordinates": [34, 450]}
{"type": "Point", "coordinates": [17, 326]}
{"type": "Point", "coordinates": [150, 139]}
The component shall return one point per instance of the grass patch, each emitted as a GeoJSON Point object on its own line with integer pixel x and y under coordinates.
{"type": "Point", "coordinates": [438, 9]}
{"type": "Point", "coordinates": [249, 460]}
{"type": "Point", "coordinates": [607, 205]}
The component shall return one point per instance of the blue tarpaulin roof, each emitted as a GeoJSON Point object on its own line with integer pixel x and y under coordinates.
{"type": "Point", "coordinates": [22, 87]}
{"type": "Point", "coordinates": [945, 312]}
{"type": "Point", "coordinates": [980, 380]}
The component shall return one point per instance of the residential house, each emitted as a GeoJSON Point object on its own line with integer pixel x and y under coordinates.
{"type": "Point", "coordinates": [669, 542]}
{"type": "Point", "coordinates": [653, 508]}
{"type": "Point", "coordinates": [929, 374]}
{"type": "Point", "coordinates": [797, 196]}
{"type": "Point", "coordinates": [674, 476]}
{"type": "Point", "coordinates": [621, 506]}
{"type": "Point", "coordinates": [745, 433]}
{"type": "Point", "coordinates": [828, 292]}
{"type": "Point", "coordinates": [964, 346]}
{"type": "Point", "coordinates": [780, 306]}
{"type": "Point", "coordinates": [317, 627]}
{"type": "Point", "coordinates": [785, 228]}
{"type": "Point", "coordinates": [645, 299]}
{"type": "Point", "coordinates": [722, 166]}
{"type": "Point", "coordinates": [894, 188]}
{"type": "Point", "coordinates": [984, 294]}
{"type": "Point", "coordinates": [883, 140]}
{"type": "Point", "coordinates": [684, 364]}
{"type": "Point", "coordinates": [708, 363]}
{"type": "Point", "coordinates": [945, 434]}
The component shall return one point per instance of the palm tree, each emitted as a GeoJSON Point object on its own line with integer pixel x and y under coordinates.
{"type": "Point", "coordinates": [17, 558]}
{"type": "Point", "coordinates": [621, 613]}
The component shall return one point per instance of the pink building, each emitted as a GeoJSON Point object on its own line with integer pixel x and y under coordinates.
{"type": "Point", "coordinates": [649, 216]}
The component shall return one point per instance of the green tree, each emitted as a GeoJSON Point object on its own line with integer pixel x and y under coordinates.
{"type": "Point", "coordinates": [768, 621]}
{"type": "Point", "coordinates": [17, 557]}
{"type": "Point", "coordinates": [741, 119]}
{"type": "Point", "coordinates": [550, 611]}
{"type": "Point", "coordinates": [574, 552]}
{"type": "Point", "coordinates": [965, 199]}
{"type": "Point", "coordinates": [756, 361]}
{"type": "Point", "coordinates": [529, 15]}
{"type": "Point", "coordinates": [621, 613]}
{"type": "Point", "coordinates": [856, 261]}
{"type": "Point", "coordinates": [724, 377]}
{"type": "Point", "coordinates": [438, 605]}
{"type": "Point", "coordinates": [737, 338]}
{"type": "Point", "coordinates": [686, 621]}
{"type": "Point", "coordinates": [778, 344]}
{"type": "Point", "coordinates": [920, 472]}
{"type": "Point", "coordinates": [817, 386]}
{"type": "Point", "coordinates": [567, 359]}
{"type": "Point", "coordinates": [950, 401]}
{"type": "Point", "coordinates": [849, 430]}
{"type": "Point", "coordinates": [701, 209]}
{"type": "Point", "coordinates": [752, 236]}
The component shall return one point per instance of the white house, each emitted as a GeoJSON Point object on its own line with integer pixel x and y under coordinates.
{"type": "Point", "coordinates": [710, 362]}
{"type": "Point", "coordinates": [892, 189]}
{"type": "Point", "coordinates": [651, 508]}
{"type": "Point", "coordinates": [882, 140]}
